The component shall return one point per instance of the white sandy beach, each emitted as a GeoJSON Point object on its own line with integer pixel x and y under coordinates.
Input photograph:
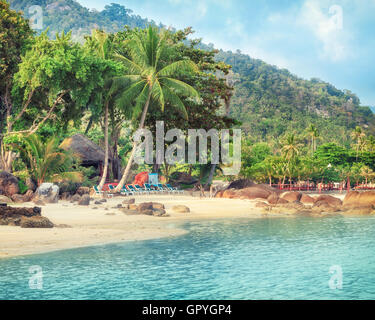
{"type": "Point", "coordinates": [90, 226]}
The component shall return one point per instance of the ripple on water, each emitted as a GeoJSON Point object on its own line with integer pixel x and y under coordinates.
{"type": "Point", "coordinates": [238, 259]}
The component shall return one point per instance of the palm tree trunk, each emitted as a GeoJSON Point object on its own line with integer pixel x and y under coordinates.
{"type": "Point", "coordinates": [211, 176]}
{"type": "Point", "coordinates": [105, 169]}
{"type": "Point", "coordinates": [135, 144]}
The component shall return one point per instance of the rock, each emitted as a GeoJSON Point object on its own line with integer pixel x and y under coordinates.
{"type": "Point", "coordinates": [65, 196]}
{"type": "Point", "coordinates": [75, 198]}
{"type": "Point", "coordinates": [30, 184]}
{"type": "Point", "coordinates": [103, 200]}
{"type": "Point", "coordinates": [13, 215]}
{"type": "Point", "coordinates": [273, 198]}
{"type": "Point", "coordinates": [159, 212]}
{"type": "Point", "coordinates": [18, 198]}
{"type": "Point", "coordinates": [129, 201]}
{"type": "Point", "coordinates": [28, 196]}
{"type": "Point", "coordinates": [282, 201]}
{"type": "Point", "coordinates": [35, 222]}
{"type": "Point", "coordinates": [85, 200]}
{"type": "Point", "coordinates": [291, 196]}
{"type": "Point", "coordinates": [332, 201]}
{"type": "Point", "coordinates": [181, 209]}
{"type": "Point", "coordinates": [97, 202]}
{"type": "Point", "coordinates": [8, 184]}
{"type": "Point", "coordinates": [39, 202]}
{"type": "Point", "coordinates": [83, 190]}
{"type": "Point", "coordinates": [359, 198]}
{"type": "Point", "coordinates": [256, 192]}
{"type": "Point", "coordinates": [306, 199]}
{"type": "Point", "coordinates": [5, 199]}
{"type": "Point", "coordinates": [132, 207]}
{"type": "Point", "coordinates": [241, 184]}
{"type": "Point", "coordinates": [158, 206]}
{"type": "Point", "coordinates": [145, 206]}
{"type": "Point", "coordinates": [358, 209]}
{"type": "Point", "coordinates": [48, 192]}
{"type": "Point", "coordinates": [147, 212]}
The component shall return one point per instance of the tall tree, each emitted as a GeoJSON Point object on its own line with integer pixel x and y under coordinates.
{"type": "Point", "coordinates": [152, 78]}
{"type": "Point", "coordinates": [358, 135]}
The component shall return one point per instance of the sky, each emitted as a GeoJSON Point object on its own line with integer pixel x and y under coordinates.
{"type": "Point", "coordinates": [328, 39]}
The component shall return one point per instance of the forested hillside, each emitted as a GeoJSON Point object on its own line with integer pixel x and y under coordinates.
{"type": "Point", "coordinates": [270, 102]}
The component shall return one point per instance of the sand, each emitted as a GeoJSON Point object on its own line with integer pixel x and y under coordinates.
{"type": "Point", "coordinates": [89, 226]}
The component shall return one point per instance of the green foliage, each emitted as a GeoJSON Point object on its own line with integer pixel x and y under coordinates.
{"type": "Point", "coordinates": [45, 161]}
{"type": "Point", "coordinates": [22, 187]}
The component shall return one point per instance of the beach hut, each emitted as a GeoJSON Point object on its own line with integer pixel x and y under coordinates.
{"type": "Point", "coordinates": [89, 153]}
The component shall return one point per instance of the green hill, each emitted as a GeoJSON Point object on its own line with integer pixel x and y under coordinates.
{"type": "Point", "coordinates": [269, 101]}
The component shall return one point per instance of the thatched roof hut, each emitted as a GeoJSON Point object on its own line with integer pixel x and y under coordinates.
{"type": "Point", "coordinates": [90, 153]}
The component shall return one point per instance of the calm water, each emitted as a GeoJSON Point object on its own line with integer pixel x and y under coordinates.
{"type": "Point", "coordinates": [240, 259]}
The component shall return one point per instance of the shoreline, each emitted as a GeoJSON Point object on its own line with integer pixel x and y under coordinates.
{"type": "Point", "coordinates": [97, 225]}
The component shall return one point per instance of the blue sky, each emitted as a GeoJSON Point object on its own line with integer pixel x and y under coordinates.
{"type": "Point", "coordinates": [329, 39]}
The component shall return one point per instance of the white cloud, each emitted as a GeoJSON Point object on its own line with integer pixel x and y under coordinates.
{"type": "Point", "coordinates": [328, 26]}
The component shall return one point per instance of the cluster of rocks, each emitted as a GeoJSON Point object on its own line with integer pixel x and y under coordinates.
{"type": "Point", "coordinates": [302, 204]}
{"type": "Point", "coordinates": [23, 217]}
{"type": "Point", "coordinates": [149, 208]}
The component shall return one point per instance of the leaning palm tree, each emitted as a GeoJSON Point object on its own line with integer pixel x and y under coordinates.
{"type": "Point", "coordinates": [152, 79]}
{"type": "Point", "coordinates": [100, 44]}
{"type": "Point", "coordinates": [45, 161]}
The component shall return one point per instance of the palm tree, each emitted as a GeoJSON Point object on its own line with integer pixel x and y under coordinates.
{"type": "Point", "coordinates": [291, 147]}
{"type": "Point", "coordinates": [100, 44]}
{"type": "Point", "coordinates": [45, 161]}
{"type": "Point", "coordinates": [358, 135]}
{"type": "Point", "coordinates": [370, 143]}
{"type": "Point", "coordinates": [152, 79]}
{"type": "Point", "coordinates": [367, 173]}
{"type": "Point", "coordinates": [314, 134]}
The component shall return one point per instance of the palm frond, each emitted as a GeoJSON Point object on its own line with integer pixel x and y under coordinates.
{"type": "Point", "coordinates": [175, 102]}
{"type": "Point", "coordinates": [178, 68]}
{"type": "Point", "coordinates": [129, 95]}
{"type": "Point", "coordinates": [181, 87]}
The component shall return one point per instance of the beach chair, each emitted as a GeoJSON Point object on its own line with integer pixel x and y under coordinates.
{"type": "Point", "coordinates": [174, 189]}
{"type": "Point", "coordinates": [162, 189]}
{"type": "Point", "coordinates": [134, 190]}
{"type": "Point", "coordinates": [97, 191]}
{"type": "Point", "coordinates": [140, 189]}
{"type": "Point", "coordinates": [125, 192]}
{"type": "Point", "coordinates": [149, 188]}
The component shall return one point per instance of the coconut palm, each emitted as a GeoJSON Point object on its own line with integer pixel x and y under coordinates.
{"type": "Point", "coordinates": [152, 80]}
{"type": "Point", "coordinates": [45, 161]}
{"type": "Point", "coordinates": [358, 135]}
{"type": "Point", "coordinates": [314, 134]}
{"type": "Point", "coordinates": [100, 44]}
{"type": "Point", "coordinates": [367, 173]}
{"type": "Point", "coordinates": [291, 147]}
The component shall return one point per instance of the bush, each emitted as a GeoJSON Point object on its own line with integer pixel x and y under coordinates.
{"type": "Point", "coordinates": [22, 187]}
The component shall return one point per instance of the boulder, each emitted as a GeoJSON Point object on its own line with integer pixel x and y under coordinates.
{"type": "Point", "coordinates": [291, 196]}
{"type": "Point", "coordinates": [133, 207]}
{"type": "Point", "coordinates": [128, 201]}
{"type": "Point", "coordinates": [158, 206]}
{"type": "Point", "coordinates": [48, 192]}
{"type": "Point", "coordinates": [306, 199]}
{"type": "Point", "coordinates": [35, 222]}
{"type": "Point", "coordinates": [332, 201]}
{"type": "Point", "coordinates": [257, 192]}
{"type": "Point", "coordinates": [158, 212]}
{"type": "Point", "coordinates": [241, 184]}
{"type": "Point", "coordinates": [30, 184]}
{"type": "Point", "coordinates": [5, 199]}
{"type": "Point", "coordinates": [181, 209]}
{"type": "Point", "coordinates": [75, 198]}
{"type": "Point", "coordinates": [28, 196]}
{"type": "Point", "coordinates": [18, 198]}
{"type": "Point", "coordinates": [261, 205]}
{"type": "Point", "coordinates": [145, 206]}
{"type": "Point", "coordinates": [282, 201]}
{"type": "Point", "coordinates": [273, 198]}
{"type": "Point", "coordinates": [65, 196]}
{"type": "Point", "coordinates": [84, 200]}
{"type": "Point", "coordinates": [13, 215]}
{"type": "Point", "coordinates": [8, 184]}
{"type": "Point", "coordinates": [39, 202]}
{"type": "Point", "coordinates": [365, 209]}
{"type": "Point", "coordinates": [83, 190]}
{"type": "Point", "coordinates": [359, 198]}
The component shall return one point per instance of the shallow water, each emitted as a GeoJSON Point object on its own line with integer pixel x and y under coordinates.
{"type": "Point", "coordinates": [282, 258]}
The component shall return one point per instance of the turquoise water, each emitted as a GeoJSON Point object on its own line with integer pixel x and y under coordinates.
{"type": "Point", "coordinates": [239, 259]}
